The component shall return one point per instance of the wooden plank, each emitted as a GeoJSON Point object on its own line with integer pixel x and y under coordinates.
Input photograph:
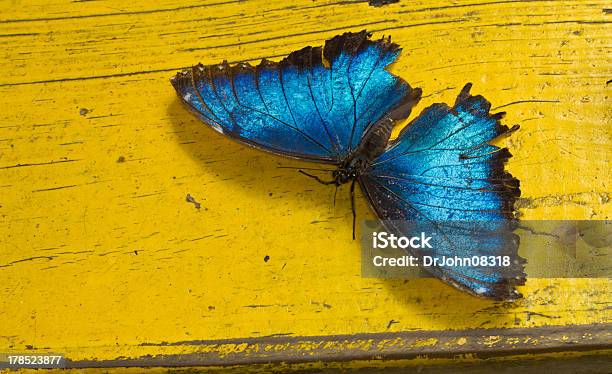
{"type": "Point", "coordinates": [100, 253]}
{"type": "Point", "coordinates": [481, 343]}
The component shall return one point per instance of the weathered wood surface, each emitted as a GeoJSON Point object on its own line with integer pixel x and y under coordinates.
{"type": "Point", "coordinates": [102, 257]}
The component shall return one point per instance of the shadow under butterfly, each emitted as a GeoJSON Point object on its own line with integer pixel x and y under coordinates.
{"type": "Point", "coordinates": [338, 105]}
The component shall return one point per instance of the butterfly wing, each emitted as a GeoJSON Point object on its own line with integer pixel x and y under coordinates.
{"type": "Point", "coordinates": [442, 171]}
{"type": "Point", "coordinates": [315, 104]}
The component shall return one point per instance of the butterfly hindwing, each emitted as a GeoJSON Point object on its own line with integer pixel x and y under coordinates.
{"type": "Point", "coordinates": [441, 171]}
{"type": "Point", "coordinates": [314, 105]}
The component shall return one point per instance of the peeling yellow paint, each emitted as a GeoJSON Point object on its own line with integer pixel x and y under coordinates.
{"type": "Point", "coordinates": [492, 340]}
{"type": "Point", "coordinates": [425, 343]}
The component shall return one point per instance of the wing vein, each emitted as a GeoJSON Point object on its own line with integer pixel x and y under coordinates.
{"type": "Point", "coordinates": [323, 123]}
{"type": "Point", "coordinates": [280, 77]}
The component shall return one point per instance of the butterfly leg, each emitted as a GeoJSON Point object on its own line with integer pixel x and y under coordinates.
{"type": "Point", "coordinates": [317, 178]}
{"type": "Point", "coordinates": [353, 206]}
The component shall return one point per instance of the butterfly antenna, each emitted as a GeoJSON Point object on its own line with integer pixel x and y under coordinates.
{"type": "Point", "coordinates": [293, 167]}
{"type": "Point", "coordinates": [317, 178]}
{"type": "Point", "coordinates": [353, 206]}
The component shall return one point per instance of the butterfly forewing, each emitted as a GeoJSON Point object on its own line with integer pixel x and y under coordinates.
{"type": "Point", "coordinates": [313, 105]}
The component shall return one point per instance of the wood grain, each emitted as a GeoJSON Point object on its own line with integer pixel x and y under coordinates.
{"type": "Point", "coordinates": [100, 252]}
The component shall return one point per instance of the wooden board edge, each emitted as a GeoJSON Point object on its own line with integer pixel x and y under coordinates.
{"type": "Point", "coordinates": [478, 343]}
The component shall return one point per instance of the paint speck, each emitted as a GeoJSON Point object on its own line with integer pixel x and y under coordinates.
{"type": "Point", "coordinates": [187, 97]}
{"type": "Point", "coordinates": [190, 199]}
{"type": "Point", "coordinates": [84, 111]}
{"type": "Point", "coordinates": [382, 2]}
{"type": "Point", "coordinates": [391, 323]}
{"type": "Point", "coordinates": [266, 258]}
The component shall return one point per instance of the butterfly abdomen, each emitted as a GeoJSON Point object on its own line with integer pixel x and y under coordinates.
{"type": "Point", "coordinates": [375, 141]}
{"type": "Point", "coordinates": [377, 137]}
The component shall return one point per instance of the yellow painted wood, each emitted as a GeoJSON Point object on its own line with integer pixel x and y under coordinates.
{"type": "Point", "coordinates": [435, 365]}
{"type": "Point", "coordinates": [100, 251]}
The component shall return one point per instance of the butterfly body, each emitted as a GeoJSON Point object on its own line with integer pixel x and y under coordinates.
{"type": "Point", "coordinates": [338, 105]}
{"type": "Point", "coordinates": [373, 144]}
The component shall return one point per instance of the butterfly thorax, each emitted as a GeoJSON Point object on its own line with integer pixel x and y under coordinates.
{"type": "Point", "coordinates": [371, 146]}
{"type": "Point", "coordinates": [349, 170]}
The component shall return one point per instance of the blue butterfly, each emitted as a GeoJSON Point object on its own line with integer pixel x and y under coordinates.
{"type": "Point", "coordinates": [338, 105]}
